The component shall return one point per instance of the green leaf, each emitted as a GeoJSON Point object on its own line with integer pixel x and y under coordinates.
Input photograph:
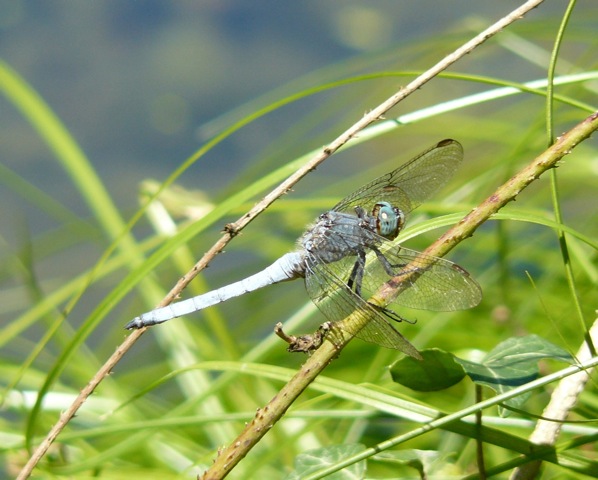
{"type": "Point", "coordinates": [421, 460]}
{"type": "Point", "coordinates": [438, 370]}
{"type": "Point", "coordinates": [512, 363]}
{"type": "Point", "coordinates": [319, 458]}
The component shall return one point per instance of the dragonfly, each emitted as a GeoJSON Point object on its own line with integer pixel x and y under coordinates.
{"type": "Point", "coordinates": [349, 253]}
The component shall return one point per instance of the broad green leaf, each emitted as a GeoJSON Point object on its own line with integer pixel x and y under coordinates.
{"type": "Point", "coordinates": [421, 460]}
{"type": "Point", "coordinates": [438, 370]}
{"type": "Point", "coordinates": [319, 458]}
{"type": "Point", "coordinates": [512, 363]}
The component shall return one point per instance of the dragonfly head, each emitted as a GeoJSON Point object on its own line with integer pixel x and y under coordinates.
{"type": "Point", "coordinates": [389, 220]}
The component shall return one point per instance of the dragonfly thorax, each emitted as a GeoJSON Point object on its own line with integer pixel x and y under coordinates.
{"type": "Point", "coordinates": [337, 235]}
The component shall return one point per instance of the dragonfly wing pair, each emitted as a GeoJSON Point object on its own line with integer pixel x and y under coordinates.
{"type": "Point", "coordinates": [412, 183]}
{"type": "Point", "coordinates": [420, 281]}
{"type": "Point", "coordinates": [337, 302]}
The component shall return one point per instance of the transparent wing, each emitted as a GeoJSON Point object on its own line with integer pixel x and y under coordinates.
{"type": "Point", "coordinates": [424, 282]}
{"type": "Point", "coordinates": [336, 301]}
{"type": "Point", "coordinates": [410, 184]}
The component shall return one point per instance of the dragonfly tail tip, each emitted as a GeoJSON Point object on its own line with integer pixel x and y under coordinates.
{"type": "Point", "coordinates": [134, 324]}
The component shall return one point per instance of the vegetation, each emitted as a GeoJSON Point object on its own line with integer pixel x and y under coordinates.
{"type": "Point", "coordinates": [171, 397]}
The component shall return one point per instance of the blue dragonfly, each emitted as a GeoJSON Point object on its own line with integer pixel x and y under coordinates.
{"type": "Point", "coordinates": [349, 253]}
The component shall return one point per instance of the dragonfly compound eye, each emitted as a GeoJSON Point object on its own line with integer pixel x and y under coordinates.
{"type": "Point", "coordinates": [389, 220]}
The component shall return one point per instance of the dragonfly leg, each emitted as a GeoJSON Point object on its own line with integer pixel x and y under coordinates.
{"type": "Point", "coordinates": [360, 212]}
{"type": "Point", "coordinates": [394, 269]}
{"type": "Point", "coordinates": [356, 277]}
{"type": "Point", "coordinates": [391, 314]}
{"type": "Point", "coordinates": [352, 276]}
{"type": "Point", "coordinates": [389, 268]}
